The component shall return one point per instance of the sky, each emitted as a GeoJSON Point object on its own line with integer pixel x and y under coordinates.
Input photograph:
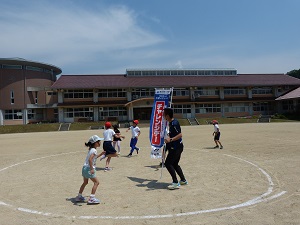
{"type": "Point", "coordinates": [110, 36]}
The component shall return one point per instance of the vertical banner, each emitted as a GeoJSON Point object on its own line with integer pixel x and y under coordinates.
{"type": "Point", "coordinates": [158, 124]}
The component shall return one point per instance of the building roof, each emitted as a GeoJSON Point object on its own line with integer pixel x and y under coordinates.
{"type": "Point", "coordinates": [19, 61]}
{"type": "Point", "coordinates": [123, 81]}
{"type": "Point", "coordinates": [290, 95]}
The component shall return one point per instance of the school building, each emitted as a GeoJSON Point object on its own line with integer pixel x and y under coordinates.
{"type": "Point", "coordinates": [30, 92]}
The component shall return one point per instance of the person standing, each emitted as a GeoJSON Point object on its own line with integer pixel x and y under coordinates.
{"type": "Point", "coordinates": [174, 147]}
{"type": "Point", "coordinates": [217, 134]}
{"type": "Point", "coordinates": [117, 140]}
{"type": "Point", "coordinates": [109, 150]}
{"type": "Point", "coordinates": [88, 170]}
{"type": "Point", "coordinates": [135, 131]}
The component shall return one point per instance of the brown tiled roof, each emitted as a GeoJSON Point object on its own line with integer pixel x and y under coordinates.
{"type": "Point", "coordinates": [290, 95]}
{"type": "Point", "coordinates": [122, 81]}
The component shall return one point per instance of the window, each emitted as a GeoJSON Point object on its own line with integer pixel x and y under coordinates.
{"type": "Point", "coordinates": [117, 111]}
{"type": "Point", "coordinates": [81, 93]}
{"type": "Point", "coordinates": [206, 92]}
{"type": "Point", "coordinates": [207, 108]}
{"type": "Point", "coordinates": [15, 67]}
{"type": "Point", "coordinates": [262, 90]}
{"type": "Point", "coordinates": [51, 93]}
{"type": "Point", "coordinates": [14, 114]}
{"type": "Point", "coordinates": [31, 113]}
{"type": "Point", "coordinates": [182, 109]}
{"type": "Point", "coordinates": [12, 97]}
{"type": "Point", "coordinates": [181, 92]}
{"type": "Point", "coordinates": [236, 107]}
{"type": "Point", "coordinates": [262, 107]}
{"type": "Point", "coordinates": [36, 98]}
{"type": "Point", "coordinates": [33, 68]}
{"type": "Point", "coordinates": [112, 93]}
{"type": "Point", "coordinates": [234, 91]}
{"type": "Point", "coordinates": [78, 112]}
{"type": "Point", "coordinates": [287, 105]}
{"type": "Point", "coordinates": [142, 93]}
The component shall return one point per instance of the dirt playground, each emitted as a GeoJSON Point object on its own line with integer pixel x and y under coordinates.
{"type": "Point", "coordinates": [255, 179]}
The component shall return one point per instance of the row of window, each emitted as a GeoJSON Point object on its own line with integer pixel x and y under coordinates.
{"type": "Point", "coordinates": [149, 92]}
{"type": "Point", "coordinates": [88, 112]}
{"type": "Point", "coordinates": [19, 67]}
{"type": "Point", "coordinates": [180, 72]}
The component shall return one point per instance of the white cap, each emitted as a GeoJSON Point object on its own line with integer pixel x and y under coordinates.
{"type": "Point", "coordinates": [94, 139]}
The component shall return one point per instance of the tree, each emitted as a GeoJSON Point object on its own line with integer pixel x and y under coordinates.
{"type": "Point", "coordinates": [294, 73]}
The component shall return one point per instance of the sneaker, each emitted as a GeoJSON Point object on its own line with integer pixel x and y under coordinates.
{"type": "Point", "coordinates": [80, 198]}
{"type": "Point", "coordinates": [183, 182]}
{"type": "Point", "coordinates": [102, 157]}
{"type": "Point", "coordinates": [137, 150]}
{"type": "Point", "coordinates": [107, 169]}
{"type": "Point", "coordinates": [221, 147]}
{"type": "Point", "coordinates": [93, 201]}
{"type": "Point", "coordinates": [174, 186]}
{"type": "Point", "coordinates": [129, 155]}
{"type": "Point", "coordinates": [216, 146]}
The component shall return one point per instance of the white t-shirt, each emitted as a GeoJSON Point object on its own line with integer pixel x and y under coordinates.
{"type": "Point", "coordinates": [108, 134]}
{"type": "Point", "coordinates": [135, 131]}
{"type": "Point", "coordinates": [92, 151]}
{"type": "Point", "coordinates": [216, 128]}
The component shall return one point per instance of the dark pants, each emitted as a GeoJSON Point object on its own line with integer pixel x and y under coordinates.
{"type": "Point", "coordinates": [172, 161]}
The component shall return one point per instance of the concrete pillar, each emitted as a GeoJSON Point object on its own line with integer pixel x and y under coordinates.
{"type": "Point", "coordinates": [60, 115]}
{"type": "Point", "coordinates": [193, 111]}
{"type": "Point", "coordinates": [25, 116]}
{"type": "Point", "coordinates": [95, 95]}
{"type": "Point", "coordinates": [221, 89]}
{"type": "Point", "coordinates": [249, 92]}
{"type": "Point", "coordinates": [1, 117]}
{"type": "Point", "coordinates": [60, 96]}
{"type": "Point", "coordinates": [96, 114]}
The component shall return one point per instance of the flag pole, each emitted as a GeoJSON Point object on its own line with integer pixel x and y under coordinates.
{"type": "Point", "coordinates": [164, 148]}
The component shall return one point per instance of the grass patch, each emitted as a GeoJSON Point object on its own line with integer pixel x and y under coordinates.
{"type": "Point", "coordinates": [29, 128]}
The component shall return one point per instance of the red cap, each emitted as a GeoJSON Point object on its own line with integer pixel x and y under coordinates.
{"type": "Point", "coordinates": [136, 121]}
{"type": "Point", "coordinates": [214, 121]}
{"type": "Point", "coordinates": [107, 125]}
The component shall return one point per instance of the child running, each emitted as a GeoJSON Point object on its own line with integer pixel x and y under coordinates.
{"type": "Point", "coordinates": [217, 134]}
{"type": "Point", "coordinates": [109, 150]}
{"type": "Point", "coordinates": [117, 140]}
{"type": "Point", "coordinates": [135, 131]}
{"type": "Point", "coordinates": [88, 170]}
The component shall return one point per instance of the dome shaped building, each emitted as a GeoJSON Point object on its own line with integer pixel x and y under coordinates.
{"type": "Point", "coordinates": [25, 94]}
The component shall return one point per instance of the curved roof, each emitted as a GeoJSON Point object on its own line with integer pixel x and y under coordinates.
{"type": "Point", "coordinates": [123, 81]}
{"type": "Point", "coordinates": [19, 61]}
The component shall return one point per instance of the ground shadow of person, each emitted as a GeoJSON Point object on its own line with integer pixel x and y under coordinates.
{"type": "Point", "coordinates": [73, 200]}
{"type": "Point", "coordinates": [150, 184]}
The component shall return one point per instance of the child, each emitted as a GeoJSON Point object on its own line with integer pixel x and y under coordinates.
{"type": "Point", "coordinates": [135, 131]}
{"type": "Point", "coordinates": [217, 134]}
{"type": "Point", "coordinates": [109, 150]}
{"type": "Point", "coordinates": [117, 140]}
{"type": "Point", "coordinates": [88, 170]}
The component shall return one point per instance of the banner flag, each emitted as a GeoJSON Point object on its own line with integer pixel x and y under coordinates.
{"type": "Point", "coordinates": [158, 124]}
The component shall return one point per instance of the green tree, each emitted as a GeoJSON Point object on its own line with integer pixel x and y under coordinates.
{"type": "Point", "coordinates": [294, 73]}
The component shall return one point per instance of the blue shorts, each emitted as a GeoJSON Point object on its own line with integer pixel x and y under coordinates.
{"type": "Point", "coordinates": [108, 148]}
{"type": "Point", "coordinates": [86, 172]}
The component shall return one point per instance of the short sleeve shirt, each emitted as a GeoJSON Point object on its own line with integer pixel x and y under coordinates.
{"type": "Point", "coordinates": [108, 135]}
{"type": "Point", "coordinates": [92, 151]}
{"type": "Point", "coordinates": [135, 131]}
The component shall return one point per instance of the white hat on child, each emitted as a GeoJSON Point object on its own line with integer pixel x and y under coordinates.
{"type": "Point", "coordinates": [94, 139]}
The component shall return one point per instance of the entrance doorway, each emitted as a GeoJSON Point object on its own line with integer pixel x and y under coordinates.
{"type": "Point", "coordinates": [142, 113]}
